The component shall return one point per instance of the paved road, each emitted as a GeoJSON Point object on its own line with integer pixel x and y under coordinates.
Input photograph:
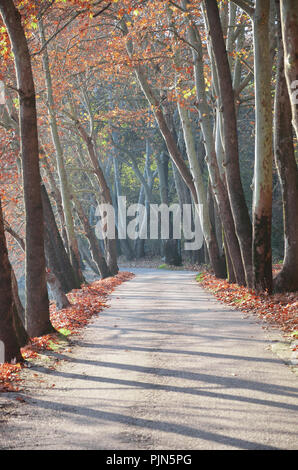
{"type": "Point", "coordinates": [165, 367]}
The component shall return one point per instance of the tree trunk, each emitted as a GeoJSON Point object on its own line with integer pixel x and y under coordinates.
{"type": "Point", "coordinates": [262, 197]}
{"type": "Point", "coordinates": [111, 245]}
{"type": "Point", "coordinates": [86, 255]}
{"type": "Point", "coordinates": [96, 253]}
{"type": "Point", "coordinates": [56, 194]}
{"type": "Point", "coordinates": [37, 302]}
{"type": "Point", "coordinates": [170, 247]}
{"type": "Point", "coordinates": [17, 301]}
{"type": "Point", "coordinates": [214, 256]}
{"type": "Point", "coordinates": [18, 313]}
{"type": "Point", "coordinates": [70, 230]}
{"type": "Point", "coordinates": [162, 168]}
{"type": "Point", "coordinates": [9, 345]}
{"type": "Point", "coordinates": [124, 243]}
{"type": "Point", "coordinates": [174, 151]}
{"type": "Point", "coordinates": [57, 259]}
{"type": "Point", "coordinates": [217, 184]}
{"type": "Point", "coordinates": [139, 245]}
{"type": "Point", "coordinates": [57, 276]}
{"type": "Point", "coordinates": [287, 278]}
{"type": "Point", "coordinates": [230, 136]}
{"type": "Point", "coordinates": [184, 197]}
{"type": "Point", "coordinates": [167, 135]}
{"type": "Point", "coordinates": [289, 23]}
{"type": "Point", "coordinates": [208, 231]}
{"type": "Point", "coordinates": [55, 285]}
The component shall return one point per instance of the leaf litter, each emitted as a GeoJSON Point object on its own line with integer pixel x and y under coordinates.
{"type": "Point", "coordinates": [278, 310]}
{"type": "Point", "coordinates": [86, 302]}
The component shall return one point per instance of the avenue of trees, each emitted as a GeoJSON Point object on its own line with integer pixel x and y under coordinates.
{"type": "Point", "coordinates": [163, 102]}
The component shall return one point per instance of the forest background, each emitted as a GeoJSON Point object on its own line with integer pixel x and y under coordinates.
{"type": "Point", "coordinates": [187, 102]}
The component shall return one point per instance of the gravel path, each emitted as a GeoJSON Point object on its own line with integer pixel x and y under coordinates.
{"type": "Point", "coordinates": [166, 366]}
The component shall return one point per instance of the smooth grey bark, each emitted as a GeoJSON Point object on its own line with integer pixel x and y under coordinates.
{"type": "Point", "coordinates": [208, 230]}
{"type": "Point", "coordinates": [184, 197]}
{"type": "Point", "coordinates": [262, 197]}
{"type": "Point", "coordinates": [124, 243]}
{"type": "Point", "coordinates": [217, 184]}
{"type": "Point", "coordinates": [174, 152]}
{"type": "Point", "coordinates": [140, 243]}
{"type": "Point", "coordinates": [111, 246]}
{"type": "Point", "coordinates": [95, 250]}
{"type": "Point", "coordinates": [170, 248]}
{"type": "Point", "coordinates": [262, 194]}
{"type": "Point", "coordinates": [56, 288]}
{"type": "Point", "coordinates": [230, 139]}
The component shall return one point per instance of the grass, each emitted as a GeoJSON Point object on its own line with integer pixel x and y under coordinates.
{"type": "Point", "coordinates": [163, 266]}
{"type": "Point", "coordinates": [200, 277]}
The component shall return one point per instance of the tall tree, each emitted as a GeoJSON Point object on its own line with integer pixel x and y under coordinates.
{"type": "Point", "coordinates": [287, 278]}
{"type": "Point", "coordinates": [111, 245]}
{"type": "Point", "coordinates": [8, 335]}
{"type": "Point", "coordinates": [65, 192]}
{"type": "Point", "coordinates": [174, 152]}
{"type": "Point", "coordinates": [262, 197]}
{"type": "Point", "coordinates": [217, 184]}
{"type": "Point", "coordinates": [56, 257]}
{"type": "Point", "coordinates": [95, 250]}
{"type": "Point", "coordinates": [37, 302]}
{"type": "Point", "coordinates": [230, 139]}
{"type": "Point", "coordinates": [289, 23]}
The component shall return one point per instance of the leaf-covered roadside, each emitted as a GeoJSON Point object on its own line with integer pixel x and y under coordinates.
{"type": "Point", "coordinates": [85, 303]}
{"type": "Point", "coordinates": [279, 310]}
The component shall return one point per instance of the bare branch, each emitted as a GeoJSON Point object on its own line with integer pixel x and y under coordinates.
{"type": "Point", "coordinates": [246, 6]}
{"type": "Point", "coordinates": [244, 83]}
{"type": "Point", "coordinates": [102, 10]}
{"type": "Point", "coordinates": [57, 32]}
{"type": "Point", "coordinates": [179, 7]}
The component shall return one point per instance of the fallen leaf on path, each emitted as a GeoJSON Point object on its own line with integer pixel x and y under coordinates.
{"type": "Point", "coordinates": [86, 302]}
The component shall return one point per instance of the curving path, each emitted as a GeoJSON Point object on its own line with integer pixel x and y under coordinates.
{"type": "Point", "coordinates": [165, 367]}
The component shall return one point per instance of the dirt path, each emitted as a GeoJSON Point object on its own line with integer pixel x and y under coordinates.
{"type": "Point", "coordinates": [165, 367]}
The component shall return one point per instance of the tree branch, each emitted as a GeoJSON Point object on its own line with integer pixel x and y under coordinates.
{"type": "Point", "coordinates": [57, 32]}
{"type": "Point", "coordinates": [246, 6]}
{"type": "Point", "coordinates": [14, 234]}
{"type": "Point", "coordinates": [102, 10]}
{"type": "Point", "coordinates": [244, 83]}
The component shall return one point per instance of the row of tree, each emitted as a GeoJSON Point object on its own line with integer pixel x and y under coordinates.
{"type": "Point", "coordinates": [160, 102]}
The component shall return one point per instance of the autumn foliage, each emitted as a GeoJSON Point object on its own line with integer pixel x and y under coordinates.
{"type": "Point", "coordinates": [130, 97]}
